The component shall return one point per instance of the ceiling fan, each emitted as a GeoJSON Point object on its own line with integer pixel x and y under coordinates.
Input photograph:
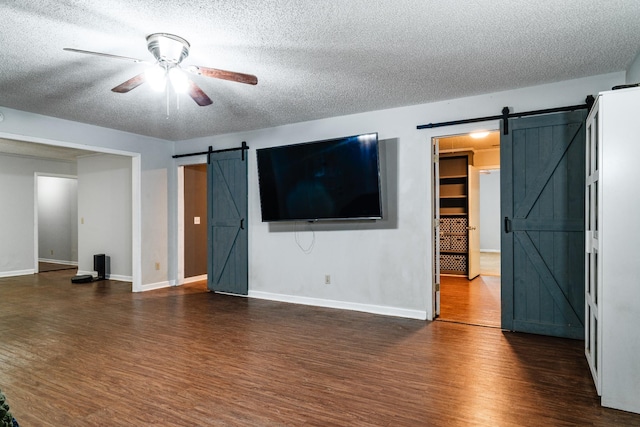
{"type": "Point", "coordinates": [169, 51]}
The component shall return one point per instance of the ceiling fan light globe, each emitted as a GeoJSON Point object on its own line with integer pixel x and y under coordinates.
{"type": "Point", "coordinates": [156, 78]}
{"type": "Point", "coordinates": [168, 47]}
{"type": "Point", "coordinates": [179, 80]}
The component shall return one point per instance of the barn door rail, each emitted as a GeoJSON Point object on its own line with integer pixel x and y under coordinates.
{"type": "Point", "coordinates": [243, 147]}
{"type": "Point", "coordinates": [506, 115]}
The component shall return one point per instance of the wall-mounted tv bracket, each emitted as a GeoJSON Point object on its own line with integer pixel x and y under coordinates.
{"type": "Point", "coordinates": [506, 115]}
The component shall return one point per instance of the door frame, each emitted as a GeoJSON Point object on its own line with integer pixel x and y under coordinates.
{"type": "Point", "coordinates": [136, 194]}
{"type": "Point", "coordinates": [435, 226]}
{"type": "Point", "coordinates": [180, 164]}
{"type": "Point", "coordinates": [464, 129]}
{"type": "Point", "coordinates": [36, 220]}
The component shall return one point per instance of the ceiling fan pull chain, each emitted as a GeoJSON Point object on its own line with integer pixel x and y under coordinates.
{"type": "Point", "coordinates": [166, 91]}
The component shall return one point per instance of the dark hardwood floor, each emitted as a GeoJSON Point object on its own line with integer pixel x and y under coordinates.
{"type": "Point", "coordinates": [98, 355]}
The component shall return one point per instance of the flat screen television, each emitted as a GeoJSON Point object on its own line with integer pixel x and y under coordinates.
{"type": "Point", "coordinates": [335, 179]}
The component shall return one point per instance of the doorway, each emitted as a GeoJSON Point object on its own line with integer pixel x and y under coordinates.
{"type": "Point", "coordinates": [223, 219]}
{"type": "Point", "coordinates": [192, 223]}
{"type": "Point", "coordinates": [55, 150]}
{"type": "Point", "coordinates": [56, 225]}
{"type": "Point", "coordinates": [468, 209]}
{"type": "Point", "coordinates": [195, 222]}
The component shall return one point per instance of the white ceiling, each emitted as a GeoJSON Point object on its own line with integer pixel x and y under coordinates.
{"type": "Point", "coordinates": [466, 142]}
{"type": "Point", "coordinates": [314, 59]}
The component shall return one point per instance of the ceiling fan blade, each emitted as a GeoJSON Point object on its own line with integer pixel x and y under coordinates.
{"type": "Point", "coordinates": [106, 55]}
{"type": "Point", "coordinates": [130, 84]}
{"type": "Point", "coordinates": [223, 74]}
{"type": "Point", "coordinates": [198, 95]}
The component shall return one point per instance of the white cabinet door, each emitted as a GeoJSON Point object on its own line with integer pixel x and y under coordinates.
{"type": "Point", "coordinates": [473, 224]}
{"type": "Point", "coordinates": [593, 329]}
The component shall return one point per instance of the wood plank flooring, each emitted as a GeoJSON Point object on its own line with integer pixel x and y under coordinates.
{"type": "Point", "coordinates": [44, 267]}
{"type": "Point", "coordinates": [476, 302]}
{"type": "Point", "coordinates": [98, 355]}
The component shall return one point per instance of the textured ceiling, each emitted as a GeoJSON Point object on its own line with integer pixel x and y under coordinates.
{"type": "Point", "coordinates": [314, 59]}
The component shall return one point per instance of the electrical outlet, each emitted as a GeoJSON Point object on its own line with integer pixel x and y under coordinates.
{"type": "Point", "coordinates": [327, 279]}
{"type": "Point", "coordinates": [51, 251]}
{"type": "Point", "coordinates": [157, 266]}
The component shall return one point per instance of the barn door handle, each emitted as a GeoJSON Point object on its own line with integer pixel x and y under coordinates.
{"type": "Point", "coordinates": [242, 224]}
{"type": "Point", "coordinates": [507, 224]}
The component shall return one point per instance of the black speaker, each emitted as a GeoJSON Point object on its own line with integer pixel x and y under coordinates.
{"type": "Point", "coordinates": [99, 265]}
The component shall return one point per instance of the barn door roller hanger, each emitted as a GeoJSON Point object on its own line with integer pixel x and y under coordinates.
{"type": "Point", "coordinates": [506, 115]}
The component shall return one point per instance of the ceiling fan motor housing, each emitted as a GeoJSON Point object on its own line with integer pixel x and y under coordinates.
{"type": "Point", "coordinates": [168, 48]}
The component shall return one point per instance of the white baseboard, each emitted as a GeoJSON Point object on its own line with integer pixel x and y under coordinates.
{"type": "Point", "coordinates": [194, 279]}
{"type": "Point", "coordinates": [496, 251]}
{"type": "Point", "coordinates": [17, 273]}
{"type": "Point", "coordinates": [57, 261]}
{"type": "Point", "coordinates": [119, 277]}
{"type": "Point", "coordinates": [153, 286]}
{"type": "Point", "coordinates": [374, 309]}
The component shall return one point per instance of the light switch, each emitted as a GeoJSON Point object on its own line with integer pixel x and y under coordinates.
{"type": "Point", "coordinates": [196, 220]}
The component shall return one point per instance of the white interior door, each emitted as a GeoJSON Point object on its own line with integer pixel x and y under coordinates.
{"type": "Point", "coordinates": [473, 226]}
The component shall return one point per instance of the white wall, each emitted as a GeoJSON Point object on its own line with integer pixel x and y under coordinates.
{"type": "Point", "coordinates": [156, 228]}
{"type": "Point", "coordinates": [490, 211]}
{"type": "Point", "coordinates": [382, 268]}
{"type": "Point", "coordinates": [104, 212]}
{"type": "Point", "coordinates": [57, 219]}
{"type": "Point", "coordinates": [17, 215]}
{"type": "Point", "coordinates": [633, 72]}
{"type": "Point", "coordinates": [487, 159]}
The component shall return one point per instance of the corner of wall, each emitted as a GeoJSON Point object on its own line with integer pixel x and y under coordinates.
{"type": "Point", "coordinates": [154, 286]}
{"type": "Point", "coordinates": [633, 72]}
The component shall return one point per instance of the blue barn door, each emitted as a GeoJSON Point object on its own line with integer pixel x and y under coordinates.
{"type": "Point", "coordinates": [542, 193]}
{"type": "Point", "coordinates": [227, 268]}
